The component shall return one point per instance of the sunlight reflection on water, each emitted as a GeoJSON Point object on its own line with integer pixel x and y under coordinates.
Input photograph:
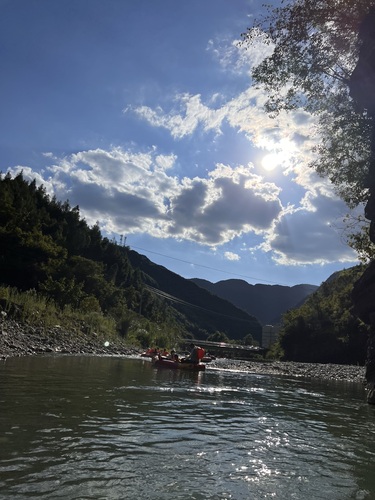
{"type": "Point", "coordinates": [112, 428]}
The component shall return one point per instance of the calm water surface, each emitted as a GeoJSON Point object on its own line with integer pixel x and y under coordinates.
{"type": "Point", "coordinates": [114, 428]}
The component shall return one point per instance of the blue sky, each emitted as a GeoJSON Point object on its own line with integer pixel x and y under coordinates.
{"type": "Point", "coordinates": [143, 113]}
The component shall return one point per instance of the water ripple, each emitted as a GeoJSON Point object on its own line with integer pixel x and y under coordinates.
{"type": "Point", "coordinates": [129, 431]}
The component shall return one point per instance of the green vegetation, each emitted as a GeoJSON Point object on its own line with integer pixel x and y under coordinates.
{"type": "Point", "coordinates": [37, 310]}
{"type": "Point", "coordinates": [323, 330]}
{"type": "Point", "coordinates": [55, 269]}
{"type": "Point", "coordinates": [201, 312]}
{"type": "Point", "coordinates": [315, 52]}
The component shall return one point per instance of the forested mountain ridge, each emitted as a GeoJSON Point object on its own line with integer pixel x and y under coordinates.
{"type": "Point", "coordinates": [323, 329]}
{"type": "Point", "coordinates": [266, 302]}
{"type": "Point", "coordinates": [320, 328]}
{"type": "Point", "coordinates": [45, 246]}
{"type": "Point", "coordinates": [47, 249]}
{"type": "Point", "coordinates": [200, 306]}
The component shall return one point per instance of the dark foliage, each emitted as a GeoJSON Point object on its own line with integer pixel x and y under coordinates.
{"type": "Point", "coordinates": [323, 330]}
{"type": "Point", "coordinates": [46, 246]}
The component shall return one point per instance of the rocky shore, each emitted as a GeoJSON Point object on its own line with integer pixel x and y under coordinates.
{"type": "Point", "coordinates": [329, 371]}
{"type": "Point", "coordinates": [18, 339]}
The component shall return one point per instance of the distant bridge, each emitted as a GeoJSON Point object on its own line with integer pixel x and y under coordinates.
{"type": "Point", "coordinates": [224, 350]}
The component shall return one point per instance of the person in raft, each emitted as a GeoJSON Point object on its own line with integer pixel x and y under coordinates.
{"type": "Point", "coordinates": [195, 355]}
{"type": "Point", "coordinates": [173, 356]}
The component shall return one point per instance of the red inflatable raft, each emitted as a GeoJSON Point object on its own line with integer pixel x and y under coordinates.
{"type": "Point", "coordinates": [174, 365]}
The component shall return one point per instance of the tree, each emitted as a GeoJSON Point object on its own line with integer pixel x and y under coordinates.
{"type": "Point", "coordinates": [248, 340]}
{"type": "Point", "coordinates": [315, 49]}
{"type": "Point", "coordinates": [323, 328]}
{"type": "Point", "coordinates": [218, 337]}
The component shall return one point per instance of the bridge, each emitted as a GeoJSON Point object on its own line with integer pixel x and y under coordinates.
{"type": "Point", "coordinates": [225, 350]}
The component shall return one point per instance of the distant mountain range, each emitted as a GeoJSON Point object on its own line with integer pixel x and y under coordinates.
{"type": "Point", "coordinates": [205, 312]}
{"type": "Point", "coordinates": [266, 302]}
{"type": "Point", "coordinates": [232, 306]}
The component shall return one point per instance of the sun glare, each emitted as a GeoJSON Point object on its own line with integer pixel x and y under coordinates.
{"type": "Point", "coordinates": [271, 161]}
{"type": "Point", "coordinates": [282, 157]}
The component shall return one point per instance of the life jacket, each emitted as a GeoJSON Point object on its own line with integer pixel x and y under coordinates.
{"type": "Point", "coordinates": [201, 352]}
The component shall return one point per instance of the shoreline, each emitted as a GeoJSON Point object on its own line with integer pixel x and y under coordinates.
{"type": "Point", "coordinates": [296, 369]}
{"type": "Point", "coordinates": [18, 339]}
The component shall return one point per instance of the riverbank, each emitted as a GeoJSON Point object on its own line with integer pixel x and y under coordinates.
{"type": "Point", "coordinates": [329, 371]}
{"type": "Point", "coordinates": [18, 339]}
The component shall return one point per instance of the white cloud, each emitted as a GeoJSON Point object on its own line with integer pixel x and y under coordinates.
{"type": "Point", "coordinates": [231, 203]}
{"type": "Point", "coordinates": [311, 234]}
{"type": "Point", "coordinates": [190, 115]}
{"type": "Point", "coordinates": [233, 56]}
{"type": "Point", "coordinates": [133, 193]}
{"type": "Point", "coordinates": [300, 233]}
{"type": "Point", "coordinates": [243, 113]}
{"type": "Point", "coordinates": [231, 256]}
{"type": "Point", "coordinates": [128, 192]}
{"type": "Point", "coordinates": [139, 192]}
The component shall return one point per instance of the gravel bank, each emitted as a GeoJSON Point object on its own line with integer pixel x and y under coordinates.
{"type": "Point", "coordinates": [18, 339]}
{"type": "Point", "coordinates": [329, 371]}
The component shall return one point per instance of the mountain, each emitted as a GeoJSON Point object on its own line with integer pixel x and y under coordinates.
{"type": "Point", "coordinates": [266, 302]}
{"type": "Point", "coordinates": [46, 247]}
{"type": "Point", "coordinates": [211, 312]}
{"type": "Point", "coordinates": [49, 252]}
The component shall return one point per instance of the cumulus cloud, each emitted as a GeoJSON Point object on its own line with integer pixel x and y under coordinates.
{"type": "Point", "coordinates": [232, 202]}
{"type": "Point", "coordinates": [245, 114]}
{"type": "Point", "coordinates": [132, 192]}
{"type": "Point", "coordinates": [232, 256]}
{"type": "Point", "coordinates": [310, 234]}
{"type": "Point", "coordinates": [190, 114]}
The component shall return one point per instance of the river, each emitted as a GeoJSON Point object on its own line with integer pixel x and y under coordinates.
{"type": "Point", "coordinates": [81, 427]}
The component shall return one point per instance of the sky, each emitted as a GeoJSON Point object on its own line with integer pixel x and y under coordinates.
{"type": "Point", "coordinates": [143, 113]}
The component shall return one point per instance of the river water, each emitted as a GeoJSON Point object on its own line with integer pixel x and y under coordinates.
{"type": "Point", "coordinates": [76, 427]}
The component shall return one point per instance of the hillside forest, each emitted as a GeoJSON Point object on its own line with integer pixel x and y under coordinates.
{"type": "Point", "coordinates": [54, 268]}
{"type": "Point", "coordinates": [323, 329]}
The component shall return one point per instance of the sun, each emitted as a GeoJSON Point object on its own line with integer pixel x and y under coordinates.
{"type": "Point", "coordinates": [271, 161]}
{"type": "Point", "coordinates": [281, 156]}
